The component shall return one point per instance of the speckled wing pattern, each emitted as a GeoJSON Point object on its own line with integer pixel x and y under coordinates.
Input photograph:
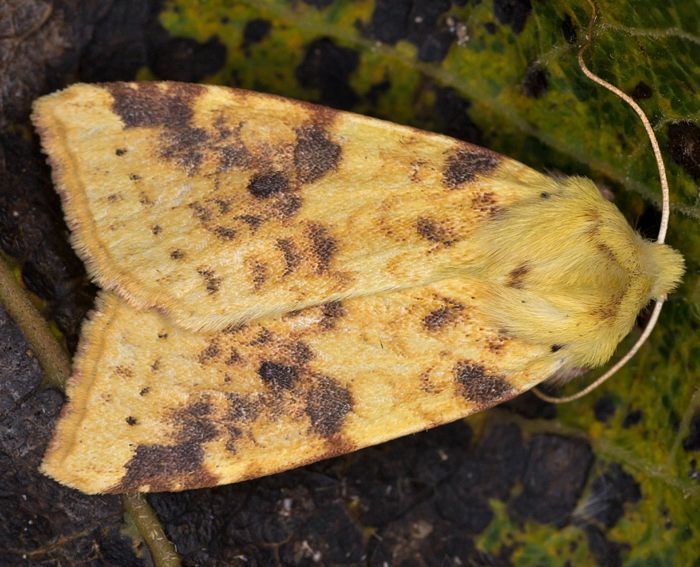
{"type": "Point", "coordinates": [154, 407]}
{"type": "Point", "coordinates": [285, 282]}
{"type": "Point", "coordinates": [217, 206]}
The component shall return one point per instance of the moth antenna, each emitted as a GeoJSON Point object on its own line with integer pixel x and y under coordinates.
{"type": "Point", "coordinates": [663, 228]}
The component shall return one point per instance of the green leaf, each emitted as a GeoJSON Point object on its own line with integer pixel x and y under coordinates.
{"type": "Point", "coordinates": [504, 74]}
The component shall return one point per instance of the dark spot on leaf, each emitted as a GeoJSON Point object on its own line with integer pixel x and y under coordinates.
{"type": "Point", "coordinates": [610, 491]}
{"type": "Point", "coordinates": [315, 154]}
{"type": "Point", "coordinates": [120, 151]}
{"type": "Point", "coordinates": [451, 111]}
{"type": "Point", "coordinates": [144, 391]}
{"type": "Point", "coordinates": [255, 31]}
{"type": "Point", "coordinates": [156, 229]}
{"type": "Point", "coordinates": [556, 472]}
{"type": "Point", "coordinates": [692, 441]}
{"type": "Point", "coordinates": [328, 403]}
{"type": "Point", "coordinates": [604, 408]}
{"type": "Point", "coordinates": [478, 386]}
{"type": "Point", "coordinates": [177, 254]}
{"type": "Point", "coordinates": [279, 376]}
{"type": "Point", "coordinates": [264, 185]}
{"type": "Point", "coordinates": [632, 418]}
{"type": "Point", "coordinates": [421, 23]}
{"type": "Point", "coordinates": [536, 82]}
{"type": "Point", "coordinates": [684, 146]}
{"type": "Point", "coordinates": [327, 67]}
{"type": "Point", "coordinates": [131, 420]}
{"type": "Point", "coordinates": [162, 335]}
{"type": "Point", "coordinates": [114, 197]}
{"type": "Point", "coordinates": [641, 91]}
{"type": "Point", "coordinates": [556, 348]}
{"type": "Point", "coordinates": [568, 30]}
{"type": "Point", "coordinates": [463, 165]}
{"type": "Point", "coordinates": [545, 195]}
{"type": "Point", "coordinates": [512, 12]}
{"type": "Point", "coordinates": [135, 177]}
{"type": "Point", "coordinates": [323, 246]}
{"type": "Point", "coordinates": [320, 4]}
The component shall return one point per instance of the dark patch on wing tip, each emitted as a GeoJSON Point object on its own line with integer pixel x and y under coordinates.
{"type": "Point", "coordinates": [131, 420]}
{"type": "Point", "coordinates": [120, 151]}
{"type": "Point", "coordinates": [212, 282]}
{"type": "Point", "coordinates": [556, 348]}
{"type": "Point", "coordinates": [315, 154]}
{"type": "Point", "coordinates": [177, 254]}
{"type": "Point", "coordinates": [323, 245]}
{"type": "Point", "coordinates": [478, 386]}
{"type": "Point", "coordinates": [517, 276]}
{"type": "Point", "coordinates": [464, 165]}
{"type": "Point", "coordinates": [328, 405]}
{"type": "Point", "coordinates": [279, 376]}
{"type": "Point", "coordinates": [431, 230]}
{"type": "Point", "coordinates": [164, 467]}
{"type": "Point", "coordinates": [264, 185]}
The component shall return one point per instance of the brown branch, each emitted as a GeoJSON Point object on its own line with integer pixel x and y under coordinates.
{"type": "Point", "coordinates": [162, 550]}
{"type": "Point", "coordinates": [52, 356]}
{"type": "Point", "coordinates": [56, 364]}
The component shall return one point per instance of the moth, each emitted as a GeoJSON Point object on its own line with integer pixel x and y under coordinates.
{"type": "Point", "coordinates": [283, 283]}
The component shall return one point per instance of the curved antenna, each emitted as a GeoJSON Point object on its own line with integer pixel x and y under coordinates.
{"type": "Point", "coordinates": [663, 228]}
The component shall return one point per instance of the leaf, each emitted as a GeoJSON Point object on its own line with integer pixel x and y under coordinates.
{"type": "Point", "coordinates": [504, 74]}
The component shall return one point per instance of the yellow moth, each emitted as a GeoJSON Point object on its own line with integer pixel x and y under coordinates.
{"type": "Point", "coordinates": [284, 282]}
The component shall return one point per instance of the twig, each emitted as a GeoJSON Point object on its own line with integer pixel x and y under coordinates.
{"type": "Point", "coordinates": [162, 550]}
{"type": "Point", "coordinates": [52, 356]}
